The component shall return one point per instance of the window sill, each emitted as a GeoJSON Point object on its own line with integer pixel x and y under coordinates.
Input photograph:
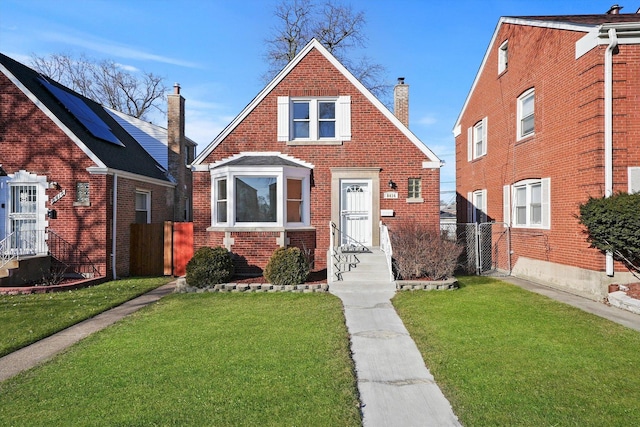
{"type": "Point", "coordinates": [304, 142]}
{"type": "Point", "coordinates": [478, 158]}
{"type": "Point", "coordinates": [525, 138]}
{"type": "Point", "coordinates": [415, 200]}
{"type": "Point", "coordinates": [82, 204]}
{"type": "Point", "coordinates": [243, 228]}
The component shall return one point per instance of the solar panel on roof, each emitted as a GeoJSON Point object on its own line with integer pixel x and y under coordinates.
{"type": "Point", "coordinates": [82, 112]}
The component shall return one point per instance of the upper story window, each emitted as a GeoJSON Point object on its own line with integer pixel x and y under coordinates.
{"type": "Point", "coordinates": [143, 207]}
{"type": "Point", "coordinates": [531, 203]}
{"type": "Point", "coordinates": [526, 114]}
{"type": "Point", "coordinates": [314, 120]}
{"type": "Point", "coordinates": [503, 57]}
{"type": "Point", "coordinates": [477, 140]}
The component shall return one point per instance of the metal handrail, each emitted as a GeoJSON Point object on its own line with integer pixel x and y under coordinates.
{"type": "Point", "coordinates": [340, 253]}
{"type": "Point", "coordinates": [72, 257]}
{"type": "Point", "coordinates": [6, 256]}
{"type": "Point", "coordinates": [387, 248]}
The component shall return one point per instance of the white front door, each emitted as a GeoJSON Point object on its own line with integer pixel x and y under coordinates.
{"type": "Point", "coordinates": [25, 209]}
{"type": "Point", "coordinates": [355, 211]}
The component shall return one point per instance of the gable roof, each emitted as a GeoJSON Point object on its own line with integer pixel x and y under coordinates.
{"type": "Point", "coordinates": [314, 44]}
{"type": "Point", "coordinates": [253, 158]}
{"type": "Point", "coordinates": [589, 24]}
{"type": "Point", "coordinates": [153, 138]}
{"type": "Point", "coordinates": [129, 156]}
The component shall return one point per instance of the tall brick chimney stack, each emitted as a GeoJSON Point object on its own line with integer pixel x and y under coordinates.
{"type": "Point", "coordinates": [177, 151]}
{"type": "Point", "coordinates": [401, 101]}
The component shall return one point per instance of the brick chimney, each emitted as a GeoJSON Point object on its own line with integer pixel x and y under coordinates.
{"type": "Point", "coordinates": [401, 101]}
{"type": "Point", "coordinates": [176, 154]}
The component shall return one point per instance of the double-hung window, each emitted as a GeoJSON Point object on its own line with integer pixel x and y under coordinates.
{"type": "Point", "coordinates": [314, 120]}
{"type": "Point", "coordinates": [526, 114]}
{"type": "Point", "coordinates": [477, 140]}
{"type": "Point", "coordinates": [143, 207]}
{"type": "Point", "coordinates": [531, 203]}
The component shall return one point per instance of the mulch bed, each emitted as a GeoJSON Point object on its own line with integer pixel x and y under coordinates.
{"type": "Point", "coordinates": [315, 277]}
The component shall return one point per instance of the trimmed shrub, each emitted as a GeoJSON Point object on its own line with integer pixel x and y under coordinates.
{"type": "Point", "coordinates": [287, 266]}
{"type": "Point", "coordinates": [210, 266]}
{"type": "Point", "coordinates": [613, 224]}
{"type": "Point", "coordinates": [420, 252]}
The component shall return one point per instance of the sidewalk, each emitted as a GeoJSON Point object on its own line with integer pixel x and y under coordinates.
{"type": "Point", "coordinates": [38, 352]}
{"type": "Point", "coordinates": [618, 315]}
{"type": "Point", "coordinates": [396, 388]}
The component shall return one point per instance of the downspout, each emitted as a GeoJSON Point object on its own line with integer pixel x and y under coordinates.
{"type": "Point", "coordinates": [114, 225]}
{"type": "Point", "coordinates": [608, 128]}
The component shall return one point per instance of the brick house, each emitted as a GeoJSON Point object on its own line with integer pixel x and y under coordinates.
{"type": "Point", "coordinates": [314, 147]}
{"type": "Point", "coordinates": [74, 175]}
{"type": "Point", "coordinates": [552, 118]}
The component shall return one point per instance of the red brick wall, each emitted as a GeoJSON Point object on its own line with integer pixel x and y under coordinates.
{"type": "Point", "coordinates": [31, 141]}
{"type": "Point", "coordinates": [375, 142]}
{"type": "Point", "coordinates": [569, 135]}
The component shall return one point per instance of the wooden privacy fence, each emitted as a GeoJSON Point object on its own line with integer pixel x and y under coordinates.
{"type": "Point", "coordinates": [161, 249]}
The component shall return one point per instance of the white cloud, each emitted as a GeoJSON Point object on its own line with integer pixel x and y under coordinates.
{"type": "Point", "coordinates": [427, 120]}
{"type": "Point", "coordinates": [114, 49]}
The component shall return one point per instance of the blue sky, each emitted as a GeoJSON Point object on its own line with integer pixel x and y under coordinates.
{"type": "Point", "coordinates": [215, 49]}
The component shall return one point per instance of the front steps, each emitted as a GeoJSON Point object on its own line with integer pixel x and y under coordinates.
{"type": "Point", "coordinates": [361, 266]}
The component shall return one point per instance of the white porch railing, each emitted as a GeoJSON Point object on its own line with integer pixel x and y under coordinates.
{"type": "Point", "coordinates": [22, 243]}
{"type": "Point", "coordinates": [385, 246]}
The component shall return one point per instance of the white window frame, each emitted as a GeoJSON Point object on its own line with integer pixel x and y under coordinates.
{"type": "Point", "coordinates": [477, 134]}
{"type": "Point", "coordinates": [281, 173]}
{"type": "Point", "coordinates": [477, 206]}
{"type": "Point", "coordinates": [529, 94]}
{"type": "Point", "coordinates": [503, 57]}
{"type": "Point", "coordinates": [634, 179]}
{"type": "Point", "coordinates": [147, 198]}
{"type": "Point", "coordinates": [342, 120]}
{"type": "Point", "coordinates": [510, 197]}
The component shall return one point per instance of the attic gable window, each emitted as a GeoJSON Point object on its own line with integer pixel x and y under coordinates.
{"type": "Point", "coordinates": [314, 120]}
{"type": "Point", "coordinates": [503, 57]}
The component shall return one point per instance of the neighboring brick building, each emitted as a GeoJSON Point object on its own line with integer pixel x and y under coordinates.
{"type": "Point", "coordinates": [70, 169]}
{"type": "Point", "coordinates": [313, 147]}
{"type": "Point", "coordinates": [552, 118]}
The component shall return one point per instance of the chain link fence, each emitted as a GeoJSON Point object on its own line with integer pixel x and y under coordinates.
{"type": "Point", "coordinates": [487, 247]}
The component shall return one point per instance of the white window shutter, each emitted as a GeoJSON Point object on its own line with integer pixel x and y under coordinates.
{"type": "Point", "coordinates": [506, 205]}
{"type": "Point", "coordinates": [470, 207]}
{"type": "Point", "coordinates": [484, 135]}
{"type": "Point", "coordinates": [343, 116]}
{"type": "Point", "coordinates": [470, 144]}
{"type": "Point", "coordinates": [634, 179]}
{"type": "Point", "coordinates": [283, 118]}
{"type": "Point", "coordinates": [546, 202]}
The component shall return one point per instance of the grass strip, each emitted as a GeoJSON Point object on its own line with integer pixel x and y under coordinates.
{"type": "Point", "coordinates": [200, 359]}
{"type": "Point", "coordinates": [26, 319]}
{"type": "Point", "coordinates": [506, 356]}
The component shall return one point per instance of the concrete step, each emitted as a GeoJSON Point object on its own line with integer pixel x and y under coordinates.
{"type": "Point", "coordinates": [371, 266]}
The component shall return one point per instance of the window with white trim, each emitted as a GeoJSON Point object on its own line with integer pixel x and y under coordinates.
{"type": "Point", "coordinates": [260, 196]}
{"type": "Point", "coordinates": [503, 57]}
{"type": "Point", "coordinates": [305, 120]}
{"type": "Point", "coordinates": [477, 206]}
{"type": "Point", "coordinates": [143, 207]}
{"type": "Point", "coordinates": [526, 114]}
{"type": "Point", "coordinates": [477, 140]}
{"type": "Point", "coordinates": [531, 203]}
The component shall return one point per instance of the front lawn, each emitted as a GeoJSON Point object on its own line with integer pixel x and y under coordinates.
{"type": "Point", "coordinates": [506, 356]}
{"type": "Point", "coordinates": [26, 319]}
{"type": "Point", "coordinates": [200, 359]}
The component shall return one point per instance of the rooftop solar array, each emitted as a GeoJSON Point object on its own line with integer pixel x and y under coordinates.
{"type": "Point", "coordinates": [83, 113]}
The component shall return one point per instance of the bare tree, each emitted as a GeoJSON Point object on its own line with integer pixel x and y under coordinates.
{"type": "Point", "coordinates": [105, 82]}
{"type": "Point", "coordinates": [336, 26]}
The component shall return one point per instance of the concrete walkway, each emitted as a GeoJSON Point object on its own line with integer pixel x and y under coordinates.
{"type": "Point", "coordinates": [38, 352]}
{"type": "Point", "coordinates": [396, 388]}
{"type": "Point", "coordinates": [618, 315]}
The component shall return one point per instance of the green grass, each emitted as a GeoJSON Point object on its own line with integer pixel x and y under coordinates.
{"type": "Point", "coordinates": [200, 359]}
{"type": "Point", "coordinates": [28, 318]}
{"type": "Point", "coordinates": [505, 356]}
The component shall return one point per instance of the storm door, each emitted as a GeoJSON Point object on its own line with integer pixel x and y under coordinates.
{"type": "Point", "coordinates": [355, 212]}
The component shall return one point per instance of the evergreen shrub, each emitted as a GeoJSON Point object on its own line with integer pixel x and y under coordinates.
{"type": "Point", "coordinates": [210, 266]}
{"type": "Point", "coordinates": [287, 266]}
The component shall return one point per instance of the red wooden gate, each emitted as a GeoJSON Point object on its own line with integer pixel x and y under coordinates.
{"type": "Point", "coordinates": [160, 249]}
